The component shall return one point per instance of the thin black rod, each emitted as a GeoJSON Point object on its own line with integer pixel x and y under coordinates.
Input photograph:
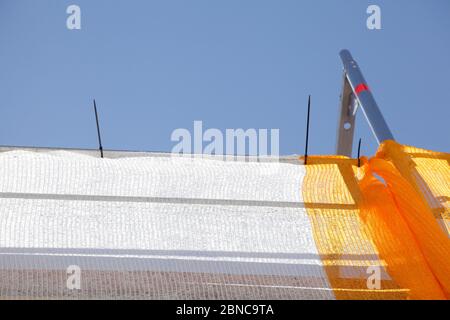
{"type": "Point", "coordinates": [98, 131]}
{"type": "Point", "coordinates": [359, 153]}
{"type": "Point", "coordinates": [307, 129]}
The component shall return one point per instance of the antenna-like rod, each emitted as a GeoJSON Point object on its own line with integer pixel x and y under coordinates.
{"type": "Point", "coordinates": [307, 129]}
{"type": "Point", "coordinates": [359, 153]}
{"type": "Point", "coordinates": [98, 131]}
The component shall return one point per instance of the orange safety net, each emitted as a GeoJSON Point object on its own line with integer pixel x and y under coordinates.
{"type": "Point", "coordinates": [393, 219]}
{"type": "Point", "coordinates": [332, 200]}
{"type": "Point", "coordinates": [427, 171]}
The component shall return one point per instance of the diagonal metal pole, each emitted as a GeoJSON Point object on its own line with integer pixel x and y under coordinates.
{"type": "Point", "coordinates": [365, 98]}
{"type": "Point", "coordinates": [98, 131]}
{"type": "Point", "coordinates": [356, 93]}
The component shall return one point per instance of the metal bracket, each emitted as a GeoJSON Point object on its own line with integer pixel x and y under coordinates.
{"type": "Point", "coordinates": [346, 125]}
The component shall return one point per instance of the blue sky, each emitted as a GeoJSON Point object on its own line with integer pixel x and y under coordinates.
{"type": "Point", "coordinates": [155, 66]}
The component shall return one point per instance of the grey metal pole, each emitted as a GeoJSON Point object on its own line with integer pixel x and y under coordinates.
{"type": "Point", "coordinates": [365, 98]}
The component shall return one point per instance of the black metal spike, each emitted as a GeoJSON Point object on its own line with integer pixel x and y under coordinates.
{"type": "Point", "coordinates": [98, 131]}
{"type": "Point", "coordinates": [359, 153]}
{"type": "Point", "coordinates": [307, 129]}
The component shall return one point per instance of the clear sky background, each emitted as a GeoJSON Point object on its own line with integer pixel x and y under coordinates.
{"type": "Point", "coordinates": [157, 65]}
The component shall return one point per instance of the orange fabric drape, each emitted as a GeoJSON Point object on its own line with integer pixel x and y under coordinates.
{"type": "Point", "coordinates": [332, 200]}
{"type": "Point", "coordinates": [390, 207]}
{"type": "Point", "coordinates": [404, 229]}
{"type": "Point", "coordinates": [427, 171]}
{"type": "Point", "coordinates": [387, 220]}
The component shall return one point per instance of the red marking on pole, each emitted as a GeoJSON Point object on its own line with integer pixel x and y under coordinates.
{"type": "Point", "coordinates": [361, 87]}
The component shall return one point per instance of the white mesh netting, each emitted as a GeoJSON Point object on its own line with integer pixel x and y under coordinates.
{"type": "Point", "coordinates": [154, 227]}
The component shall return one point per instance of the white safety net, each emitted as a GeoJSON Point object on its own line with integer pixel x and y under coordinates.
{"type": "Point", "coordinates": [154, 227]}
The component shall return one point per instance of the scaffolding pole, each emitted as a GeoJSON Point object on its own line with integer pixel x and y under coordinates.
{"type": "Point", "coordinates": [355, 93]}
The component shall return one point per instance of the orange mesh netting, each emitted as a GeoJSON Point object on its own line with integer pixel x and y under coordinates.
{"type": "Point", "coordinates": [332, 199]}
{"type": "Point", "coordinates": [394, 221]}
{"type": "Point", "coordinates": [427, 171]}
